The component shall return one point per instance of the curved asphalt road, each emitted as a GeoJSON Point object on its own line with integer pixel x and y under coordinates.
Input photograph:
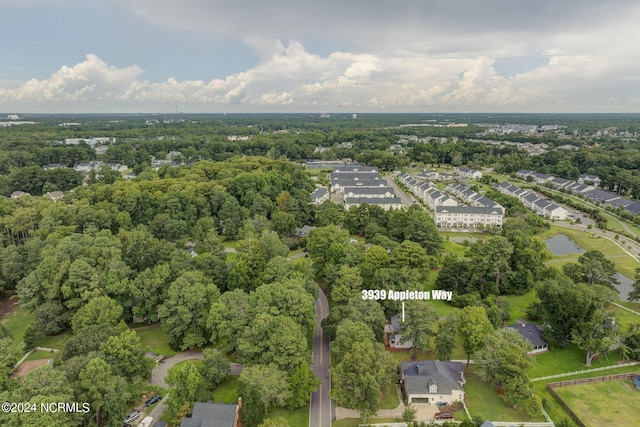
{"type": "Point", "coordinates": [160, 372]}
{"type": "Point", "coordinates": [320, 406]}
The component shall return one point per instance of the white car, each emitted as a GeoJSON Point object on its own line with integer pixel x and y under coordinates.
{"type": "Point", "coordinates": [132, 417]}
{"type": "Point", "coordinates": [146, 422]}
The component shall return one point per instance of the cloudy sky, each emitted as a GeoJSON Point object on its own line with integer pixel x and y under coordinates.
{"type": "Point", "coordinates": [319, 56]}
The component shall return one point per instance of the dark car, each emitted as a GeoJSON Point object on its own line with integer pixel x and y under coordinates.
{"type": "Point", "coordinates": [443, 416]}
{"type": "Point", "coordinates": [152, 400]}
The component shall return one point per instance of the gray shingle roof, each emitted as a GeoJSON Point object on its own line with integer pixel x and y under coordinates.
{"type": "Point", "coordinates": [468, 210]}
{"type": "Point", "coordinates": [529, 332]}
{"type": "Point", "coordinates": [373, 201]}
{"type": "Point", "coordinates": [320, 192]}
{"type": "Point", "coordinates": [419, 375]}
{"type": "Point", "coordinates": [207, 414]}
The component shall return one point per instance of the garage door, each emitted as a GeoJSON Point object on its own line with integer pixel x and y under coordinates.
{"type": "Point", "coordinates": [420, 400]}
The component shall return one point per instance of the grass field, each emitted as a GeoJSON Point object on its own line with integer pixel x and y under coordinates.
{"type": "Point", "coordinates": [390, 397]}
{"type": "Point", "coordinates": [56, 341]}
{"type": "Point", "coordinates": [485, 401]}
{"type": "Point", "coordinates": [556, 412]}
{"type": "Point", "coordinates": [39, 355]}
{"type": "Point", "coordinates": [567, 359]}
{"type": "Point", "coordinates": [296, 418]}
{"type": "Point", "coordinates": [623, 262]}
{"type": "Point", "coordinates": [518, 305]}
{"type": "Point", "coordinates": [155, 339]}
{"type": "Point", "coordinates": [227, 391]}
{"type": "Point", "coordinates": [606, 403]}
{"type": "Point", "coordinates": [17, 324]}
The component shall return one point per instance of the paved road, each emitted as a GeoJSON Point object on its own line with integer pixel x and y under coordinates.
{"type": "Point", "coordinates": [160, 372]}
{"type": "Point", "coordinates": [320, 407]}
{"type": "Point", "coordinates": [406, 200]}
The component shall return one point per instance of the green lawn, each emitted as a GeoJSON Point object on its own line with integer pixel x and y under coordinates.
{"type": "Point", "coordinates": [567, 359]}
{"type": "Point", "coordinates": [296, 418]}
{"type": "Point", "coordinates": [453, 248]}
{"type": "Point", "coordinates": [17, 324]}
{"type": "Point", "coordinates": [604, 403]}
{"type": "Point", "coordinates": [390, 397]}
{"type": "Point", "coordinates": [624, 263]}
{"type": "Point", "coordinates": [56, 341]}
{"type": "Point", "coordinates": [623, 317]}
{"type": "Point", "coordinates": [155, 339]}
{"type": "Point", "coordinates": [484, 400]}
{"type": "Point", "coordinates": [518, 305]}
{"type": "Point", "coordinates": [227, 391]}
{"type": "Point", "coordinates": [39, 355]}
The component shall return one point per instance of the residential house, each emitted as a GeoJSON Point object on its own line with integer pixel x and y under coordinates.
{"type": "Point", "coordinates": [558, 183]}
{"type": "Point", "coordinates": [54, 195]}
{"type": "Point", "coordinates": [18, 194]}
{"type": "Point", "coordinates": [532, 333]}
{"type": "Point", "coordinates": [467, 217]}
{"type": "Point", "coordinates": [385, 203]}
{"type": "Point", "coordinates": [465, 172]}
{"type": "Point", "coordinates": [601, 196]}
{"type": "Point", "coordinates": [320, 195]}
{"type": "Point", "coordinates": [208, 414]}
{"type": "Point", "coordinates": [395, 339]}
{"type": "Point", "coordinates": [433, 382]}
{"type": "Point", "coordinates": [368, 192]}
{"type": "Point", "coordinates": [534, 202]}
{"type": "Point", "coordinates": [304, 231]}
{"type": "Point", "coordinates": [53, 166]}
{"type": "Point", "coordinates": [341, 184]}
{"type": "Point", "coordinates": [589, 179]}
{"type": "Point", "coordinates": [355, 176]}
{"type": "Point", "coordinates": [355, 168]}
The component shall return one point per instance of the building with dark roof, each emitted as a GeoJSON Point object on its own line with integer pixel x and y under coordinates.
{"type": "Point", "coordinates": [304, 231]}
{"type": "Point", "coordinates": [395, 339]}
{"type": "Point", "coordinates": [532, 333]}
{"type": "Point", "coordinates": [320, 195]}
{"type": "Point", "coordinates": [385, 203]}
{"type": "Point", "coordinates": [433, 382]}
{"type": "Point", "coordinates": [208, 414]}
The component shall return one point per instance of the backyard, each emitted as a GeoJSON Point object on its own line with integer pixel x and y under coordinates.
{"type": "Point", "coordinates": [606, 403]}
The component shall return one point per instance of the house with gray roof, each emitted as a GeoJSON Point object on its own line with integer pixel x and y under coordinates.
{"type": "Point", "coordinates": [304, 231]}
{"type": "Point", "coordinates": [433, 381]}
{"type": "Point", "coordinates": [320, 195]}
{"type": "Point", "coordinates": [589, 179]}
{"type": "Point", "coordinates": [395, 339]}
{"type": "Point", "coordinates": [532, 333]}
{"type": "Point", "coordinates": [208, 414]}
{"type": "Point", "coordinates": [385, 203]}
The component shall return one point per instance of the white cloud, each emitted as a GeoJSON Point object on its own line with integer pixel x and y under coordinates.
{"type": "Point", "coordinates": [291, 78]}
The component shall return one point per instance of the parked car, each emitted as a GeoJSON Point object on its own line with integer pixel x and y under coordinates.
{"type": "Point", "coordinates": [132, 417]}
{"type": "Point", "coordinates": [146, 422]}
{"type": "Point", "coordinates": [153, 399]}
{"type": "Point", "coordinates": [443, 416]}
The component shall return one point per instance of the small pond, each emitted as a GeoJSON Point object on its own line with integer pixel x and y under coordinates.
{"type": "Point", "coordinates": [562, 245]}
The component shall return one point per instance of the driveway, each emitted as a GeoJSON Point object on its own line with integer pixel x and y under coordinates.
{"type": "Point", "coordinates": [160, 372]}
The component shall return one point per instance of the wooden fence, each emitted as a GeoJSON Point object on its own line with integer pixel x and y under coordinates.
{"type": "Point", "coordinates": [551, 387]}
